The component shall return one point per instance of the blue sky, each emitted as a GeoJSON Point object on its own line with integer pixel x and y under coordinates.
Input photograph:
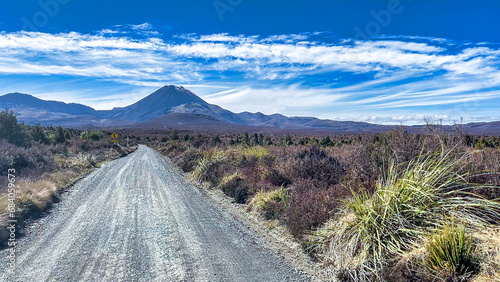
{"type": "Point", "coordinates": [381, 61]}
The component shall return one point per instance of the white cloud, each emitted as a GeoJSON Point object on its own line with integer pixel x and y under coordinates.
{"type": "Point", "coordinates": [144, 26]}
{"type": "Point", "coordinates": [247, 54]}
{"type": "Point", "coordinates": [288, 100]}
{"type": "Point", "coordinates": [269, 74]}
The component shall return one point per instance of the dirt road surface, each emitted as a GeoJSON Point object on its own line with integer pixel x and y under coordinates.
{"type": "Point", "coordinates": [137, 219]}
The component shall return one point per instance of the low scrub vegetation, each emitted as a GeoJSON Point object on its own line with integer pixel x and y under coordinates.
{"type": "Point", "coordinates": [45, 161]}
{"type": "Point", "coordinates": [392, 206]}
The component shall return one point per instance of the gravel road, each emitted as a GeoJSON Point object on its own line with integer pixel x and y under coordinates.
{"type": "Point", "coordinates": [137, 219]}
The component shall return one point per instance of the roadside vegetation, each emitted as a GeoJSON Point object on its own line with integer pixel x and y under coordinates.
{"type": "Point", "coordinates": [44, 161]}
{"type": "Point", "coordinates": [392, 206]}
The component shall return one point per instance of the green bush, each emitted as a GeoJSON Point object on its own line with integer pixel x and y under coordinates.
{"type": "Point", "coordinates": [10, 130]}
{"type": "Point", "coordinates": [38, 134]}
{"type": "Point", "coordinates": [91, 135]}
{"type": "Point", "coordinates": [60, 136]}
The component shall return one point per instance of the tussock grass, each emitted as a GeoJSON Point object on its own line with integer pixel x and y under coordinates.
{"type": "Point", "coordinates": [256, 151]}
{"type": "Point", "coordinates": [451, 252]}
{"type": "Point", "coordinates": [38, 193]}
{"type": "Point", "coordinates": [4, 203]}
{"type": "Point", "coordinates": [84, 160]}
{"type": "Point", "coordinates": [269, 204]}
{"type": "Point", "coordinates": [187, 160]}
{"type": "Point", "coordinates": [206, 164]}
{"type": "Point", "coordinates": [407, 206]}
{"type": "Point", "coordinates": [65, 178]}
{"type": "Point", "coordinates": [79, 160]}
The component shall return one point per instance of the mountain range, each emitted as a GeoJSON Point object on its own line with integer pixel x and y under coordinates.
{"type": "Point", "coordinates": [177, 107]}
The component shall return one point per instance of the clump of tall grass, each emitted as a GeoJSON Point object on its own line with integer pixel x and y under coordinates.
{"type": "Point", "coordinates": [256, 151]}
{"type": "Point", "coordinates": [407, 206]}
{"type": "Point", "coordinates": [269, 204]}
{"type": "Point", "coordinates": [38, 193]}
{"type": "Point", "coordinates": [205, 166]}
{"type": "Point", "coordinates": [84, 160]}
{"type": "Point", "coordinates": [451, 252]}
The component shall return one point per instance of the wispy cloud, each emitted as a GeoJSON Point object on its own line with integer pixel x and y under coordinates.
{"type": "Point", "coordinates": [295, 74]}
{"type": "Point", "coordinates": [143, 26]}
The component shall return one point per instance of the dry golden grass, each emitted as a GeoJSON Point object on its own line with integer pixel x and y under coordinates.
{"type": "Point", "coordinates": [488, 250]}
{"type": "Point", "coordinates": [81, 160]}
{"type": "Point", "coordinates": [40, 193]}
{"type": "Point", "coordinates": [3, 203]}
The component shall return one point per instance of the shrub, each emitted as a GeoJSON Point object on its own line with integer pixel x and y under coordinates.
{"type": "Point", "coordinates": [232, 185]}
{"type": "Point", "coordinates": [312, 203]}
{"type": "Point", "coordinates": [60, 136]}
{"type": "Point", "coordinates": [188, 159]}
{"type": "Point", "coordinates": [405, 207]}
{"type": "Point", "coordinates": [38, 135]}
{"type": "Point", "coordinates": [269, 204]}
{"type": "Point", "coordinates": [488, 162]}
{"type": "Point", "coordinates": [273, 177]}
{"type": "Point", "coordinates": [11, 156]}
{"type": "Point", "coordinates": [10, 130]}
{"type": "Point", "coordinates": [312, 163]}
{"type": "Point", "coordinates": [91, 135]}
{"type": "Point", "coordinates": [174, 135]}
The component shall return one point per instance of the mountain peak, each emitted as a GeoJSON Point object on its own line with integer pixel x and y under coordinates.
{"type": "Point", "coordinates": [173, 87]}
{"type": "Point", "coordinates": [171, 96]}
{"type": "Point", "coordinates": [157, 104]}
{"type": "Point", "coordinates": [29, 102]}
{"type": "Point", "coordinates": [18, 95]}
